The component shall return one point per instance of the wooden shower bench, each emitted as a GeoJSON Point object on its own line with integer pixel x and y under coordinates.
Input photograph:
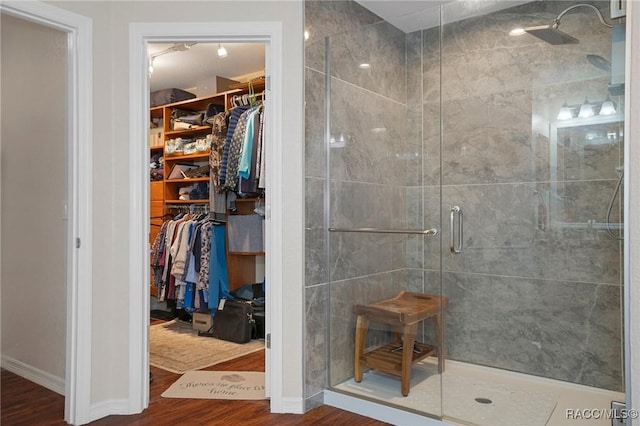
{"type": "Point", "coordinates": [404, 312]}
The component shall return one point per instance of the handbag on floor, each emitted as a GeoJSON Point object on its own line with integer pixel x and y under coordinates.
{"type": "Point", "coordinates": [233, 321]}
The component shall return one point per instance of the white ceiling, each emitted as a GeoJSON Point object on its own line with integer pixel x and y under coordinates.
{"type": "Point", "coordinates": [409, 16]}
{"type": "Point", "coordinates": [185, 69]}
{"type": "Point", "coordinates": [414, 15]}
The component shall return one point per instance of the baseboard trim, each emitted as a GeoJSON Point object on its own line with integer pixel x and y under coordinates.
{"type": "Point", "coordinates": [376, 411]}
{"type": "Point", "coordinates": [293, 405]}
{"type": "Point", "coordinates": [33, 374]}
{"type": "Point", "coordinates": [113, 407]}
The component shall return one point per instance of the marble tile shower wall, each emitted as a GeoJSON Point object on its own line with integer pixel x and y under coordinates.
{"type": "Point", "coordinates": [375, 172]}
{"type": "Point", "coordinates": [527, 294]}
{"type": "Point", "coordinates": [321, 20]}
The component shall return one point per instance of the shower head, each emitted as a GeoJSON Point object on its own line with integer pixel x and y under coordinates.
{"type": "Point", "coordinates": [551, 35]}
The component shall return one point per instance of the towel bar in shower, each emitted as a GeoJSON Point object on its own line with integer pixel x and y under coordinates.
{"type": "Point", "coordinates": [432, 231]}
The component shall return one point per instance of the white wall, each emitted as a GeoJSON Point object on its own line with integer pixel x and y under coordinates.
{"type": "Point", "coordinates": [33, 192]}
{"type": "Point", "coordinates": [111, 116]}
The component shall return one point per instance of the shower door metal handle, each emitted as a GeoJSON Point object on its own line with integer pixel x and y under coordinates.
{"type": "Point", "coordinates": [455, 211]}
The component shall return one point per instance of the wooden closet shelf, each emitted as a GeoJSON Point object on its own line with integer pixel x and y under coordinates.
{"type": "Point", "coordinates": [187, 132]}
{"type": "Point", "coordinates": [171, 157]}
{"type": "Point", "coordinates": [186, 201]}
{"type": "Point", "coordinates": [187, 180]}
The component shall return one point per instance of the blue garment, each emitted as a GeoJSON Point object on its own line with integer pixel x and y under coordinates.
{"type": "Point", "coordinates": [218, 275]}
{"type": "Point", "coordinates": [244, 169]}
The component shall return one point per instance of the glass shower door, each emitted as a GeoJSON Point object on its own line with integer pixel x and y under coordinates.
{"type": "Point", "coordinates": [534, 272]}
{"type": "Point", "coordinates": [382, 215]}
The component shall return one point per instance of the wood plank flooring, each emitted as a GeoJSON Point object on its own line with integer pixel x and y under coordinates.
{"type": "Point", "coordinates": [25, 403]}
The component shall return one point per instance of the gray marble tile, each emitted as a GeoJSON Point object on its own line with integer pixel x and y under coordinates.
{"type": "Point", "coordinates": [316, 333]}
{"type": "Point", "coordinates": [413, 146]}
{"type": "Point", "coordinates": [515, 230]}
{"type": "Point", "coordinates": [354, 255]}
{"type": "Point", "coordinates": [356, 204]}
{"type": "Point", "coordinates": [488, 139]}
{"type": "Point", "coordinates": [414, 52]}
{"type": "Point", "coordinates": [431, 38]}
{"type": "Point", "coordinates": [563, 330]}
{"type": "Point", "coordinates": [433, 219]}
{"type": "Point", "coordinates": [431, 144]}
{"type": "Point", "coordinates": [382, 46]}
{"type": "Point", "coordinates": [314, 55]}
{"type": "Point", "coordinates": [482, 73]}
{"type": "Point", "coordinates": [314, 401]}
{"type": "Point", "coordinates": [327, 18]}
{"type": "Point", "coordinates": [314, 116]}
{"type": "Point", "coordinates": [371, 136]}
{"type": "Point", "coordinates": [316, 270]}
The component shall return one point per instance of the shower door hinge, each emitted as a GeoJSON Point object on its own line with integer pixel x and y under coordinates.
{"type": "Point", "coordinates": [77, 242]}
{"type": "Point", "coordinates": [268, 340]}
{"type": "Point", "coordinates": [620, 415]}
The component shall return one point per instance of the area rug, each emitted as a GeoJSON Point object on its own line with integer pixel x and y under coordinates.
{"type": "Point", "coordinates": [218, 385]}
{"type": "Point", "coordinates": [174, 346]}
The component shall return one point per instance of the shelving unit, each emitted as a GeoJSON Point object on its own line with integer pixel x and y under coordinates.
{"type": "Point", "coordinates": [165, 193]}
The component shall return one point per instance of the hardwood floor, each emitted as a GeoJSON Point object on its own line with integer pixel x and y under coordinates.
{"type": "Point", "coordinates": [25, 403]}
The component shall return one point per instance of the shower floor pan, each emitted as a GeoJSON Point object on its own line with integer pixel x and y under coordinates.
{"type": "Point", "coordinates": [483, 396]}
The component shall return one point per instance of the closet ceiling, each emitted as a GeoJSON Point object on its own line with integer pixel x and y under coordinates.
{"type": "Point", "coordinates": [184, 69]}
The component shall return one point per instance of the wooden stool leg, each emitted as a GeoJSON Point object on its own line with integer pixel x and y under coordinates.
{"type": "Point", "coordinates": [408, 341]}
{"type": "Point", "coordinates": [440, 340]}
{"type": "Point", "coordinates": [362, 326]}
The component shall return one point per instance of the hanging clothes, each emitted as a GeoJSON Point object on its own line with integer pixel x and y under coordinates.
{"type": "Point", "coordinates": [233, 121]}
{"type": "Point", "coordinates": [189, 263]}
{"type": "Point", "coordinates": [218, 275]}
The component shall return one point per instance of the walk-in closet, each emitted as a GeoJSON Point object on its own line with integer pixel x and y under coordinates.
{"type": "Point", "coordinates": [207, 144]}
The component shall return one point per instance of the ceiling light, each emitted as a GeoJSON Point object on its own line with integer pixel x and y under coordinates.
{"type": "Point", "coordinates": [517, 32]}
{"type": "Point", "coordinates": [608, 107]}
{"type": "Point", "coordinates": [364, 66]}
{"type": "Point", "coordinates": [151, 66]}
{"type": "Point", "coordinates": [222, 52]}
{"type": "Point", "coordinates": [306, 35]}
{"type": "Point", "coordinates": [586, 110]}
{"type": "Point", "coordinates": [565, 112]}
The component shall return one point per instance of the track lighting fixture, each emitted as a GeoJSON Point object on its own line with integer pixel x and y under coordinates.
{"type": "Point", "coordinates": [222, 52]}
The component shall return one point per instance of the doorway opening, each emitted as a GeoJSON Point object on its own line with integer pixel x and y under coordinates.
{"type": "Point", "coordinates": [206, 220]}
{"type": "Point", "coordinates": [141, 36]}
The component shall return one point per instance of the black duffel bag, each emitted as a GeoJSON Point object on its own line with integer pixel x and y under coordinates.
{"type": "Point", "coordinates": [233, 321]}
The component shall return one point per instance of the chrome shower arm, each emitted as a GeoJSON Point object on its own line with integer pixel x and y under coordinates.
{"type": "Point", "coordinates": [556, 21]}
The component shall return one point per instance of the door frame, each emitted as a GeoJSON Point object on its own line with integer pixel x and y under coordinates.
{"type": "Point", "coordinates": [140, 34]}
{"type": "Point", "coordinates": [79, 212]}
